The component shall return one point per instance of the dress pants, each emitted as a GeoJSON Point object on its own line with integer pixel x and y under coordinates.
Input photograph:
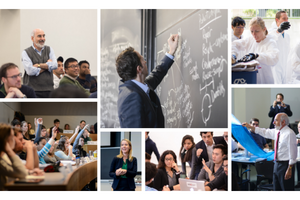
{"type": "Point", "coordinates": [279, 184]}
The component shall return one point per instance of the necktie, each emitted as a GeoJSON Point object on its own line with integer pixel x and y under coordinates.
{"type": "Point", "coordinates": [276, 146]}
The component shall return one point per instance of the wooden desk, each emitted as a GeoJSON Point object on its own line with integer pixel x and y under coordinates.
{"type": "Point", "coordinates": [55, 181]}
{"type": "Point", "coordinates": [89, 147]}
{"type": "Point", "coordinates": [94, 136]}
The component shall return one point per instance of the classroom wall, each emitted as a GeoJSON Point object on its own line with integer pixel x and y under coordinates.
{"type": "Point", "coordinates": [10, 36]}
{"type": "Point", "coordinates": [71, 33]}
{"type": "Point", "coordinates": [256, 102]}
{"type": "Point", "coordinates": [169, 140]}
{"type": "Point", "coordinates": [8, 111]}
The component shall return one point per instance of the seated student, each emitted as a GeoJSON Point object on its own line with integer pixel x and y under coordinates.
{"type": "Point", "coordinates": [213, 168]}
{"type": "Point", "coordinates": [10, 163]}
{"type": "Point", "coordinates": [50, 157]}
{"type": "Point", "coordinates": [86, 134]}
{"type": "Point", "coordinates": [43, 146]}
{"type": "Point", "coordinates": [67, 127]}
{"type": "Point", "coordinates": [12, 86]}
{"type": "Point", "coordinates": [16, 123]}
{"type": "Point", "coordinates": [151, 171]}
{"type": "Point", "coordinates": [31, 131]}
{"type": "Point", "coordinates": [79, 143]}
{"type": "Point", "coordinates": [41, 130]}
{"type": "Point", "coordinates": [30, 158]}
{"type": "Point", "coordinates": [64, 149]}
{"type": "Point", "coordinates": [168, 173]}
{"type": "Point", "coordinates": [85, 78]}
{"type": "Point", "coordinates": [25, 131]}
{"type": "Point", "coordinates": [71, 72]}
{"type": "Point", "coordinates": [220, 182]}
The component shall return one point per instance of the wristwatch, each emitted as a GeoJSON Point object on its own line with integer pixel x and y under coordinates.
{"type": "Point", "coordinates": [39, 65]}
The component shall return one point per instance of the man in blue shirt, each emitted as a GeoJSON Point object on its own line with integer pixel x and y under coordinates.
{"type": "Point", "coordinates": [261, 141]}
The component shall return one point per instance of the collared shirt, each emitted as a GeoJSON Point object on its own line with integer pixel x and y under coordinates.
{"type": "Point", "coordinates": [56, 81]}
{"type": "Point", "coordinates": [35, 71]}
{"type": "Point", "coordinates": [287, 145]}
{"type": "Point", "coordinates": [144, 86]}
{"type": "Point", "coordinates": [209, 150]}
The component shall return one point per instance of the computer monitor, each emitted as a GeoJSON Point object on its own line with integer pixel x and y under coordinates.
{"type": "Point", "coordinates": [191, 185]}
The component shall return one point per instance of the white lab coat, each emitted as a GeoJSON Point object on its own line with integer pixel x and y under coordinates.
{"type": "Point", "coordinates": [268, 55]}
{"type": "Point", "coordinates": [233, 38]}
{"type": "Point", "coordinates": [281, 70]}
{"type": "Point", "coordinates": [294, 64]}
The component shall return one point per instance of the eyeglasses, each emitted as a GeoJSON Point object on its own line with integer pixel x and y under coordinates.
{"type": "Point", "coordinates": [168, 159]}
{"type": "Point", "coordinates": [15, 76]}
{"type": "Point", "coordinates": [240, 27]}
{"type": "Point", "coordinates": [225, 166]}
{"type": "Point", "coordinates": [74, 66]}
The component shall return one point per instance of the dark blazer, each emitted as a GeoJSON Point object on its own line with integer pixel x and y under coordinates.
{"type": "Point", "coordinates": [151, 147]}
{"type": "Point", "coordinates": [135, 108]}
{"type": "Point", "coordinates": [274, 111]}
{"type": "Point", "coordinates": [130, 174]}
{"type": "Point", "coordinates": [161, 179]}
{"type": "Point", "coordinates": [204, 155]}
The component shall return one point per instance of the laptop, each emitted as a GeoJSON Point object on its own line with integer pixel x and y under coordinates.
{"type": "Point", "coordinates": [191, 185]}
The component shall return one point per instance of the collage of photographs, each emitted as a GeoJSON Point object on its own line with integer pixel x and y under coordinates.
{"type": "Point", "coordinates": [187, 101]}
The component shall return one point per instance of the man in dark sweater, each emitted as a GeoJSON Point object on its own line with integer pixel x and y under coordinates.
{"type": "Point", "coordinates": [12, 86]}
{"type": "Point", "coordinates": [39, 61]}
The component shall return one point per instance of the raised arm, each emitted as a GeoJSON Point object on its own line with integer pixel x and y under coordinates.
{"type": "Point", "coordinates": [75, 133]}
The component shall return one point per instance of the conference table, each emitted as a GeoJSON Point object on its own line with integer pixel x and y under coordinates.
{"type": "Point", "coordinates": [250, 159]}
{"type": "Point", "coordinates": [55, 181]}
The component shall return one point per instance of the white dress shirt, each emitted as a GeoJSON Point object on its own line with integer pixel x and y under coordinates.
{"type": "Point", "coordinates": [287, 145]}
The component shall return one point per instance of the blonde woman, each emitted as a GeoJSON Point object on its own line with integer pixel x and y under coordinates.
{"type": "Point", "coordinates": [261, 47]}
{"type": "Point", "coordinates": [124, 168]}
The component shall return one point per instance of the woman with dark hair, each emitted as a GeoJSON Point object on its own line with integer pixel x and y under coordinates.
{"type": "Point", "coordinates": [25, 130]}
{"type": "Point", "coordinates": [64, 149]}
{"type": "Point", "coordinates": [123, 168]}
{"type": "Point", "coordinates": [188, 155]}
{"type": "Point", "coordinates": [67, 127]}
{"type": "Point", "coordinates": [10, 163]}
{"type": "Point", "coordinates": [168, 173]}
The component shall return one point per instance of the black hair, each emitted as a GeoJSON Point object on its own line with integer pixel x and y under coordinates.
{"type": "Point", "coordinates": [61, 59]}
{"type": "Point", "coordinates": [254, 120]}
{"type": "Point", "coordinates": [15, 122]}
{"type": "Point", "coordinates": [40, 139]}
{"type": "Point", "coordinates": [212, 134]}
{"type": "Point", "coordinates": [280, 95]}
{"type": "Point", "coordinates": [237, 21]}
{"type": "Point", "coordinates": [161, 163]}
{"type": "Point", "coordinates": [83, 61]}
{"type": "Point", "coordinates": [5, 67]}
{"type": "Point", "coordinates": [151, 171]}
{"type": "Point", "coordinates": [56, 120]}
{"type": "Point", "coordinates": [69, 60]}
{"type": "Point", "coordinates": [222, 147]}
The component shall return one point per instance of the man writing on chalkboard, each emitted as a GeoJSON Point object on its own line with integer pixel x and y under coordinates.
{"type": "Point", "coordinates": [138, 104]}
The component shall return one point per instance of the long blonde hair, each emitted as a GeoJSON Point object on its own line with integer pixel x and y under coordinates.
{"type": "Point", "coordinates": [258, 21]}
{"type": "Point", "coordinates": [130, 157]}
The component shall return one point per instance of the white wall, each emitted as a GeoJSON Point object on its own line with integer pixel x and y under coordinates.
{"type": "Point", "coordinates": [10, 36]}
{"type": "Point", "coordinates": [71, 33]}
{"type": "Point", "coordinates": [171, 140]}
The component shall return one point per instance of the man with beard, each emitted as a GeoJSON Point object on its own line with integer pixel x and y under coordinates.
{"type": "Point", "coordinates": [285, 152]}
{"type": "Point", "coordinates": [12, 86]}
{"type": "Point", "coordinates": [39, 61]}
{"type": "Point", "coordinates": [85, 78]}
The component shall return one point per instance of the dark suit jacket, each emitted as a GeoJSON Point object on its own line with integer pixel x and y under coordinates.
{"type": "Point", "coordinates": [135, 108]}
{"type": "Point", "coordinates": [274, 111]}
{"type": "Point", "coordinates": [130, 174]}
{"type": "Point", "coordinates": [161, 179]}
{"type": "Point", "coordinates": [204, 155]}
{"type": "Point", "coordinates": [151, 147]}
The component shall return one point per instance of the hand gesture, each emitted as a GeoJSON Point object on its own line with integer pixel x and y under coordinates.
{"type": "Point", "coordinates": [18, 93]}
{"type": "Point", "coordinates": [37, 172]}
{"type": "Point", "coordinates": [166, 188]}
{"type": "Point", "coordinates": [283, 26]}
{"type": "Point", "coordinates": [40, 120]}
{"type": "Point", "coordinates": [54, 133]}
{"type": "Point", "coordinates": [173, 43]}
{"type": "Point", "coordinates": [10, 94]}
{"type": "Point", "coordinates": [199, 151]}
{"type": "Point", "coordinates": [205, 167]}
{"type": "Point", "coordinates": [28, 145]}
{"type": "Point", "coordinates": [274, 103]}
{"type": "Point", "coordinates": [77, 129]}
{"type": "Point", "coordinates": [174, 166]}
